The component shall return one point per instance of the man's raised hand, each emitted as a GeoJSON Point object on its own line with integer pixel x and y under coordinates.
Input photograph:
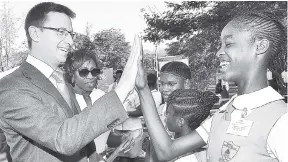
{"type": "Point", "coordinates": [127, 80]}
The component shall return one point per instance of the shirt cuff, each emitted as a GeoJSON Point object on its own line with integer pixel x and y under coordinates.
{"type": "Point", "coordinates": [131, 124]}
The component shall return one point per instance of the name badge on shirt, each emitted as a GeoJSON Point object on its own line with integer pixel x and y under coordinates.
{"type": "Point", "coordinates": [240, 127]}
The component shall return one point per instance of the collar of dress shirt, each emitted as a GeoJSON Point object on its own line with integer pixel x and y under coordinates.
{"type": "Point", "coordinates": [7, 72]}
{"type": "Point", "coordinates": [256, 99]}
{"type": "Point", "coordinates": [40, 65]}
{"type": "Point", "coordinates": [154, 90]}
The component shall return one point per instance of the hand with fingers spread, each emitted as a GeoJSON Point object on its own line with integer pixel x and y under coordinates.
{"type": "Point", "coordinates": [127, 81]}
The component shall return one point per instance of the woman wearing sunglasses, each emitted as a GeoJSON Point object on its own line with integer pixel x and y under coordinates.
{"type": "Point", "coordinates": [82, 72]}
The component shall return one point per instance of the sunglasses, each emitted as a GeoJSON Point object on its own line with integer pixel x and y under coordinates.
{"type": "Point", "coordinates": [85, 72]}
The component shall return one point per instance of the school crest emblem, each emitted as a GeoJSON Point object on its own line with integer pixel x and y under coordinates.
{"type": "Point", "coordinates": [228, 151]}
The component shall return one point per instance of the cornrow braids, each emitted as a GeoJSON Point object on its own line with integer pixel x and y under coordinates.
{"type": "Point", "coordinates": [177, 68]}
{"type": "Point", "coordinates": [193, 105]}
{"type": "Point", "coordinates": [265, 25]}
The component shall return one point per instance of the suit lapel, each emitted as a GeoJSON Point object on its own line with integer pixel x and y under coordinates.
{"type": "Point", "coordinates": [39, 80]}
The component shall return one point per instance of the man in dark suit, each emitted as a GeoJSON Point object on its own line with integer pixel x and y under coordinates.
{"type": "Point", "coordinates": [40, 118]}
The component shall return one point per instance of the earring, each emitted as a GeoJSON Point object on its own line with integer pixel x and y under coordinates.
{"type": "Point", "coordinates": [181, 122]}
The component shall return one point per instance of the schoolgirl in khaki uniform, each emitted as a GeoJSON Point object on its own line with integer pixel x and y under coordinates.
{"type": "Point", "coordinates": [252, 126]}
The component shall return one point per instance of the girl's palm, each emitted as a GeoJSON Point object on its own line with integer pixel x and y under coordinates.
{"type": "Point", "coordinates": [141, 78]}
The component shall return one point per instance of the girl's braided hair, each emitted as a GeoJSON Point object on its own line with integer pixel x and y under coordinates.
{"type": "Point", "coordinates": [177, 68]}
{"type": "Point", "coordinates": [193, 105]}
{"type": "Point", "coordinates": [264, 25]}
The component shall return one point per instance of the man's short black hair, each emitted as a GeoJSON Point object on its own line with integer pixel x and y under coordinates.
{"type": "Point", "coordinates": [37, 15]}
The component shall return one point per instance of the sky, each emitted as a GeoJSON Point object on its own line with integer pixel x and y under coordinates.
{"type": "Point", "coordinates": [119, 14]}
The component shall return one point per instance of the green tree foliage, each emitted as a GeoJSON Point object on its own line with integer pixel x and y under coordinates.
{"type": "Point", "coordinates": [148, 61]}
{"type": "Point", "coordinates": [109, 45]}
{"type": "Point", "coordinates": [82, 41]}
{"type": "Point", "coordinates": [112, 48]}
{"type": "Point", "coordinates": [9, 25]}
{"type": "Point", "coordinates": [197, 25]}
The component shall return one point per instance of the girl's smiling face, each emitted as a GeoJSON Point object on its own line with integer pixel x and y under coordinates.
{"type": "Point", "coordinates": [237, 53]}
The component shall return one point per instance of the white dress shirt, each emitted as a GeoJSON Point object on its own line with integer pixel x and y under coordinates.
{"type": "Point", "coordinates": [7, 72]}
{"type": "Point", "coordinates": [277, 140]}
{"type": "Point", "coordinates": [95, 94]}
{"type": "Point", "coordinates": [45, 69]}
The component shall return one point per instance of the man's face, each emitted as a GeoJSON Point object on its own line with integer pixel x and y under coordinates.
{"type": "Point", "coordinates": [55, 45]}
{"type": "Point", "coordinates": [169, 83]}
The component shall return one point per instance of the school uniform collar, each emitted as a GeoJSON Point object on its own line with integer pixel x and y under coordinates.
{"type": "Point", "coordinates": [164, 108]}
{"type": "Point", "coordinates": [256, 99]}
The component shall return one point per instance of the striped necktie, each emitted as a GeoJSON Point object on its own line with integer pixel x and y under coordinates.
{"type": "Point", "coordinates": [61, 86]}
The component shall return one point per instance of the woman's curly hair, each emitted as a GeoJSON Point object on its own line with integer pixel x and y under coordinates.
{"type": "Point", "coordinates": [75, 60]}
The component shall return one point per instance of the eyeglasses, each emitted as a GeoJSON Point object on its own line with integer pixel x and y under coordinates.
{"type": "Point", "coordinates": [85, 72]}
{"type": "Point", "coordinates": [61, 32]}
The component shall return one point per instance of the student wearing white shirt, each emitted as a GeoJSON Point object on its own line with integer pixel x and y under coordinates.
{"type": "Point", "coordinates": [252, 126]}
{"type": "Point", "coordinates": [173, 75]}
{"type": "Point", "coordinates": [133, 124]}
{"type": "Point", "coordinates": [186, 110]}
{"type": "Point", "coordinates": [117, 77]}
{"type": "Point", "coordinates": [152, 83]}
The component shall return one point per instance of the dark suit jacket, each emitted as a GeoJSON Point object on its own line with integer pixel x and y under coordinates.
{"type": "Point", "coordinates": [40, 126]}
